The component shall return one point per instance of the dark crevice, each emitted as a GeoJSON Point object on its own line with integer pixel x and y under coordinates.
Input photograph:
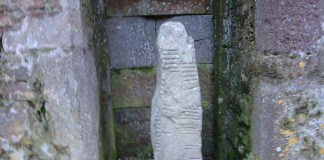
{"type": "Point", "coordinates": [155, 27]}
{"type": "Point", "coordinates": [1, 46]}
{"type": "Point", "coordinates": [197, 40]}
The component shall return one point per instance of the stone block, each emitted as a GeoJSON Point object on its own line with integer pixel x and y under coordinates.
{"type": "Point", "coordinates": [290, 114]}
{"type": "Point", "coordinates": [131, 40]}
{"type": "Point", "coordinates": [14, 11]}
{"type": "Point", "coordinates": [69, 82]}
{"type": "Point", "coordinates": [132, 127]}
{"type": "Point", "coordinates": [176, 116]}
{"type": "Point", "coordinates": [48, 31]}
{"type": "Point", "coordinates": [288, 25]}
{"type": "Point", "coordinates": [135, 87]}
{"type": "Point", "coordinates": [164, 7]}
{"type": "Point", "coordinates": [200, 28]}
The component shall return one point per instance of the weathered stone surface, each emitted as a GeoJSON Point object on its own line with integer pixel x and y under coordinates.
{"type": "Point", "coordinates": [289, 99]}
{"type": "Point", "coordinates": [70, 84]}
{"type": "Point", "coordinates": [290, 114]}
{"type": "Point", "coordinates": [176, 120]}
{"type": "Point", "coordinates": [131, 40]}
{"type": "Point", "coordinates": [207, 98]}
{"type": "Point", "coordinates": [12, 12]}
{"type": "Point", "coordinates": [200, 28]}
{"type": "Point", "coordinates": [52, 114]}
{"type": "Point", "coordinates": [279, 29]}
{"type": "Point", "coordinates": [49, 103]}
{"type": "Point", "coordinates": [132, 128]}
{"type": "Point", "coordinates": [133, 87]}
{"type": "Point", "coordinates": [164, 7]}
{"type": "Point", "coordinates": [61, 30]}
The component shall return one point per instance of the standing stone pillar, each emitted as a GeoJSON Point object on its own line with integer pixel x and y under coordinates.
{"type": "Point", "coordinates": [176, 108]}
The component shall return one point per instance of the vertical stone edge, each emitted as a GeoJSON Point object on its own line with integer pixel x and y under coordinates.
{"type": "Point", "coordinates": [98, 42]}
{"type": "Point", "coordinates": [233, 77]}
{"type": "Point", "coordinates": [74, 136]}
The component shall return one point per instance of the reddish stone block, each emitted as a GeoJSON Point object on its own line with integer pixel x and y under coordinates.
{"type": "Point", "coordinates": [159, 7]}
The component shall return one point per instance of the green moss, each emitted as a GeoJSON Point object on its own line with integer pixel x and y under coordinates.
{"type": "Point", "coordinates": [206, 105]}
{"type": "Point", "coordinates": [233, 114]}
{"type": "Point", "coordinates": [127, 145]}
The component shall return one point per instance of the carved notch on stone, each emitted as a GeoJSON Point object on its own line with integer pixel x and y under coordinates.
{"type": "Point", "coordinates": [176, 119]}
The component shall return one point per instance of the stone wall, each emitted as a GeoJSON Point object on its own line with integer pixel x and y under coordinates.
{"type": "Point", "coordinates": [288, 101]}
{"type": "Point", "coordinates": [49, 104]}
{"type": "Point", "coordinates": [77, 77]}
{"type": "Point", "coordinates": [131, 43]}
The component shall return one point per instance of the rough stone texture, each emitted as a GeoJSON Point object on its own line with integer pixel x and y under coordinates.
{"type": "Point", "coordinates": [207, 99]}
{"type": "Point", "coordinates": [200, 28]}
{"type": "Point", "coordinates": [61, 30]}
{"type": "Point", "coordinates": [290, 114]}
{"type": "Point", "coordinates": [13, 12]}
{"type": "Point", "coordinates": [135, 88]}
{"type": "Point", "coordinates": [70, 83]}
{"type": "Point", "coordinates": [133, 133]}
{"type": "Point", "coordinates": [131, 39]}
{"type": "Point", "coordinates": [49, 103]}
{"type": "Point", "coordinates": [164, 7]}
{"type": "Point", "coordinates": [176, 117]}
{"type": "Point", "coordinates": [282, 26]}
{"type": "Point", "coordinates": [289, 99]}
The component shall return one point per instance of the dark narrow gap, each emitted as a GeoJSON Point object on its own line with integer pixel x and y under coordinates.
{"type": "Point", "coordinates": [107, 147]}
{"type": "Point", "coordinates": [233, 104]}
{"type": "Point", "coordinates": [1, 46]}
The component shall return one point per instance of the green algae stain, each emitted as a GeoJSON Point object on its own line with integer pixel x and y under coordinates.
{"type": "Point", "coordinates": [232, 89]}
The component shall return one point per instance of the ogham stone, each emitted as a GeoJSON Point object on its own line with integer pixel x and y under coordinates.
{"type": "Point", "coordinates": [176, 119]}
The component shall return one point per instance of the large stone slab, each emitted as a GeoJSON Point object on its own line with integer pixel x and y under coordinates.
{"type": "Point", "coordinates": [49, 105]}
{"type": "Point", "coordinates": [290, 114]}
{"type": "Point", "coordinates": [48, 31]}
{"type": "Point", "coordinates": [176, 117]}
{"type": "Point", "coordinates": [132, 127]}
{"type": "Point", "coordinates": [298, 28]}
{"type": "Point", "coordinates": [12, 12]}
{"type": "Point", "coordinates": [131, 40]}
{"type": "Point", "coordinates": [149, 7]}
{"type": "Point", "coordinates": [135, 87]}
{"type": "Point", "coordinates": [70, 83]}
{"type": "Point", "coordinates": [288, 102]}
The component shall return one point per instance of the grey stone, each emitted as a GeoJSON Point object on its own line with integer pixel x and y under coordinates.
{"type": "Point", "coordinates": [200, 28]}
{"type": "Point", "coordinates": [277, 116]}
{"type": "Point", "coordinates": [176, 117]}
{"type": "Point", "coordinates": [12, 12]}
{"type": "Point", "coordinates": [132, 127]}
{"type": "Point", "coordinates": [149, 7]}
{"type": "Point", "coordinates": [70, 83]}
{"type": "Point", "coordinates": [279, 29]}
{"type": "Point", "coordinates": [131, 39]}
{"type": "Point", "coordinates": [61, 30]}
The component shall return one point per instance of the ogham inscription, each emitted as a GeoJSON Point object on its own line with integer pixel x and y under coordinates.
{"type": "Point", "coordinates": [176, 118]}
